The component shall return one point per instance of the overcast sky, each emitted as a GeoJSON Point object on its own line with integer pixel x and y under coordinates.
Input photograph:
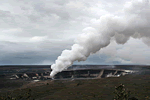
{"type": "Point", "coordinates": [36, 31]}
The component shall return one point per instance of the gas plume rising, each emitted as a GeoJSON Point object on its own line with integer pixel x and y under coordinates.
{"type": "Point", "coordinates": [134, 22]}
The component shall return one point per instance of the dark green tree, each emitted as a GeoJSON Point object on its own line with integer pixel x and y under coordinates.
{"type": "Point", "coordinates": [121, 93]}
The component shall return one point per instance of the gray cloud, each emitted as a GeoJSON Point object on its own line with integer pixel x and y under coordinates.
{"type": "Point", "coordinates": [36, 32]}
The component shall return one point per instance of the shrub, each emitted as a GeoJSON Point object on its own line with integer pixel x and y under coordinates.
{"type": "Point", "coordinates": [121, 93]}
{"type": "Point", "coordinates": [26, 96]}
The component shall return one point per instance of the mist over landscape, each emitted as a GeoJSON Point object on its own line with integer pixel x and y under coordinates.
{"type": "Point", "coordinates": [133, 23]}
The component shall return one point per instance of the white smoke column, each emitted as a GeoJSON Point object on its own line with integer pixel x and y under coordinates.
{"type": "Point", "coordinates": [135, 22]}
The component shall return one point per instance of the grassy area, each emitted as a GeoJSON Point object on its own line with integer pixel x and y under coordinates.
{"type": "Point", "coordinates": [97, 89]}
{"type": "Point", "coordinates": [7, 85]}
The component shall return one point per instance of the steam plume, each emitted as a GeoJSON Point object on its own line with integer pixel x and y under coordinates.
{"type": "Point", "coordinates": [134, 22]}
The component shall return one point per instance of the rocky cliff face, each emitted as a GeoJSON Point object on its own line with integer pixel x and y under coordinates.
{"type": "Point", "coordinates": [88, 73]}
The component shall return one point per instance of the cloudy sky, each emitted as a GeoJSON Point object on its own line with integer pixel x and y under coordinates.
{"type": "Point", "coordinates": [36, 31]}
